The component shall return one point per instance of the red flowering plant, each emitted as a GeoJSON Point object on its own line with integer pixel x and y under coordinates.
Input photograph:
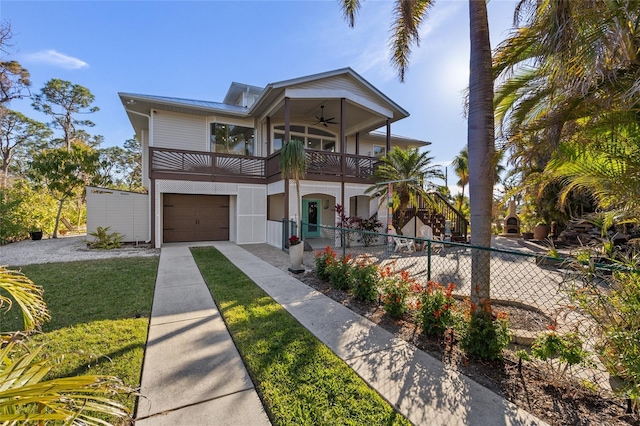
{"type": "Point", "coordinates": [294, 240]}
{"type": "Point", "coordinates": [324, 259]}
{"type": "Point", "coordinates": [436, 308]}
{"type": "Point", "coordinates": [340, 273]}
{"type": "Point", "coordinates": [396, 287]}
{"type": "Point", "coordinates": [365, 279]}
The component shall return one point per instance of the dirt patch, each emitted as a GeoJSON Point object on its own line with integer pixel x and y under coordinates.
{"type": "Point", "coordinates": [529, 388]}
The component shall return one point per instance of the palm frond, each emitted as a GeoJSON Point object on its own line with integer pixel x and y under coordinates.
{"type": "Point", "coordinates": [26, 294]}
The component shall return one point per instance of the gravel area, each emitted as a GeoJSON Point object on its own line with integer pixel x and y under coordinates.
{"type": "Point", "coordinates": [65, 249]}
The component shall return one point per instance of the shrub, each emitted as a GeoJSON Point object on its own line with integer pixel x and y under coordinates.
{"type": "Point", "coordinates": [435, 308]}
{"type": "Point", "coordinates": [484, 334]}
{"type": "Point", "coordinates": [613, 302]}
{"type": "Point", "coordinates": [323, 260]}
{"type": "Point", "coordinates": [365, 279]}
{"type": "Point", "coordinates": [340, 273]}
{"type": "Point", "coordinates": [104, 239]}
{"type": "Point", "coordinates": [395, 290]}
{"type": "Point", "coordinates": [559, 351]}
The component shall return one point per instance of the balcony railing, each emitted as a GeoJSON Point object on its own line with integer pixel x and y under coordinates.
{"type": "Point", "coordinates": [216, 167]}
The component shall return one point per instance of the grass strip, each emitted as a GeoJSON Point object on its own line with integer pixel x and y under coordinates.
{"type": "Point", "coordinates": [298, 378]}
{"type": "Point", "coordinates": [100, 313]}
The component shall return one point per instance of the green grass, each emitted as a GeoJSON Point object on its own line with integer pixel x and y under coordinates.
{"type": "Point", "coordinates": [298, 378]}
{"type": "Point", "coordinates": [93, 327]}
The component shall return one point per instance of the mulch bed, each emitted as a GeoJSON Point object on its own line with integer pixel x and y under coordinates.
{"type": "Point", "coordinates": [525, 386]}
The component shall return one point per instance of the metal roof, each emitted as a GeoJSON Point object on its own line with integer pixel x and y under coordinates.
{"type": "Point", "coordinates": [193, 103]}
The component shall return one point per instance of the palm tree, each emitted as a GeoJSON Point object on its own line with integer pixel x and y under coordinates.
{"type": "Point", "coordinates": [293, 165]}
{"type": "Point", "coordinates": [25, 395]}
{"type": "Point", "coordinates": [461, 166]}
{"type": "Point", "coordinates": [408, 16]}
{"type": "Point", "coordinates": [413, 170]}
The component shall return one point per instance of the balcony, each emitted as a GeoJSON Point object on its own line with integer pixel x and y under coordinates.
{"type": "Point", "coordinates": [215, 167]}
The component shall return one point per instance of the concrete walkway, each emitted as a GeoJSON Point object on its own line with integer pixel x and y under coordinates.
{"type": "Point", "coordinates": [192, 371]}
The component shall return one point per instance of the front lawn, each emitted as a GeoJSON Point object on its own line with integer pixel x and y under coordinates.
{"type": "Point", "coordinates": [99, 316]}
{"type": "Point", "coordinates": [300, 381]}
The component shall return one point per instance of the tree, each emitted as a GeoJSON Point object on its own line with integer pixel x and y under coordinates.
{"type": "Point", "coordinates": [65, 173]}
{"type": "Point", "coordinates": [414, 170]}
{"type": "Point", "coordinates": [461, 166]}
{"type": "Point", "coordinates": [63, 101]}
{"type": "Point", "coordinates": [14, 79]}
{"type": "Point", "coordinates": [124, 165]}
{"type": "Point", "coordinates": [18, 132]}
{"type": "Point", "coordinates": [569, 73]}
{"type": "Point", "coordinates": [293, 165]}
{"type": "Point", "coordinates": [408, 17]}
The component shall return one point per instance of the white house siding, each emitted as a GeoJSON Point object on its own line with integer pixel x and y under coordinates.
{"type": "Point", "coordinates": [180, 131]}
{"type": "Point", "coordinates": [247, 209]}
{"type": "Point", "coordinates": [274, 233]}
{"type": "Point", "coordinates": [124, 212]}
{"type": "Point", "coordinates": [343, 83]}
{"type": "Point", "coordinates": [144, 144]}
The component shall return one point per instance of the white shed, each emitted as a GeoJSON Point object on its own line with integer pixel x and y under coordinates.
{"type": "Point", "coordinates": [124, 212]}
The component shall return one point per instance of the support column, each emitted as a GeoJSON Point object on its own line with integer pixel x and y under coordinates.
{"type": "Point", "coordinates": [287, 119]}
{"type": "Point", "coordinates": [358, 143]}
{"type": "Point", "coordinates": [388, 135]}
{"type": "Point", "coordinates": [269, 141]}
{"type": "Point", "coordinates": [152, 193]}
{"type": "Point", "coordinates": [343, 147]}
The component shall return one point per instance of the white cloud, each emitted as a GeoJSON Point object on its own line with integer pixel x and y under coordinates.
{"type": "Point", "coordinates": [57, 59]}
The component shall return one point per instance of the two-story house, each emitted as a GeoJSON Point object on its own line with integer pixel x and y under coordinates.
{"type": "Point", "coordinates": [212, 168]}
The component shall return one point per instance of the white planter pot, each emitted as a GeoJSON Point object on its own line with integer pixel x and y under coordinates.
{"type": "Point", "coordinates": [295, 255]}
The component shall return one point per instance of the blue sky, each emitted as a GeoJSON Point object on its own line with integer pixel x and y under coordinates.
{"type": "Point", "coordinates": [195, 49]}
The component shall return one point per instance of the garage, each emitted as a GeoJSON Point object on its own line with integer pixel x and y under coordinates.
{"type": "Point", "coordinates": [189, 217]}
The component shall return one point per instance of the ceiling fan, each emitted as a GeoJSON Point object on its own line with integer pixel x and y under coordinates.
{"type": "Point", "coordinates": [324, 121]}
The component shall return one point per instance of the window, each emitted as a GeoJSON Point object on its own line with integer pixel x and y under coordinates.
{"type": "Point", "coordinates": [316, 139]}
{"type": "Point", "coordinates": [379, 151]}
{"type": "Point", "coordinates": [230, 139]}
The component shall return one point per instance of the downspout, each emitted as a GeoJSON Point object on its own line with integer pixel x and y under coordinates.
{"type": "Point", "coordinates": [152, 186]}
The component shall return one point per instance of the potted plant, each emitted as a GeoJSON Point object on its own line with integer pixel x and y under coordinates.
{"type": "Point", "coordinates": [541, 231]}
{"type": "Point", "coordinates": [296, 250]}
{"type": "Point", "coordinates": [36, 232]}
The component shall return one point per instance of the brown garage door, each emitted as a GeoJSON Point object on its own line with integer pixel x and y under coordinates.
{"type": "Point", "coordinates": [195, 217]}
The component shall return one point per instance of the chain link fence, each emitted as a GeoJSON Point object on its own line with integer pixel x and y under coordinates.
{"type": "Point", "coordinates": [538, 292]}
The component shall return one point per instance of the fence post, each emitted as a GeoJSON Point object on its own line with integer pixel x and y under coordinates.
{"type": "Point", "coordinates": [284, 233]}
{"type": "Point", "coordinates": [344, 243]}
{"type": "Point", "coordinates": [428, 260]}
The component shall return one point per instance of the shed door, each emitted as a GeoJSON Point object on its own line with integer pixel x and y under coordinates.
{"type": "Point", "coordinates": [195, 218]}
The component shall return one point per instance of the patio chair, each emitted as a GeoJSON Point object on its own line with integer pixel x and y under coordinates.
{"type": "Point", "coordinates": [426, 233]}
{"type": "Point", "coordinates": [401, 241]}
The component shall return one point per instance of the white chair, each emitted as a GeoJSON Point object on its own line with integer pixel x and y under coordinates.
{"type": "Point", "coordinates": [426, 233]}
{"type": "Point", "coordinates": [401, 242]}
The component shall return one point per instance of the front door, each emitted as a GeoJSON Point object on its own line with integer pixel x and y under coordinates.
{"type": "Point", "coordinates": [311, 215]}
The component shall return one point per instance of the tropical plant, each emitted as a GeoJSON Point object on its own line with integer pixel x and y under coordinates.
{"type": "Point", "coordinates": [26, 395]}
{"type": "Point", "coordinates": [410, 170]}
{"type": "Point", "coordinates": [408, 16]}
{"type": "Point", "coordinates": [569, 77]}
{"type": "Point", "coordinates": [461, 167]}
{"type": "Point", "coordinates": [293, 165]}
{"type": "Point", "coordinates": [104, 239]}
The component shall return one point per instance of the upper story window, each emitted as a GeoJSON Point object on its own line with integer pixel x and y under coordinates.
{"type": "Point", "coordinates": [313, 138]}
{"type": "Point", "coordinates": [379, 151]}
{"type": "Point", "coordinates": [230, 139]}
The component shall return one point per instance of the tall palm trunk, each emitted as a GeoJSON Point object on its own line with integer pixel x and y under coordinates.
{"type": "Point", "coordinates": [481, 148]}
